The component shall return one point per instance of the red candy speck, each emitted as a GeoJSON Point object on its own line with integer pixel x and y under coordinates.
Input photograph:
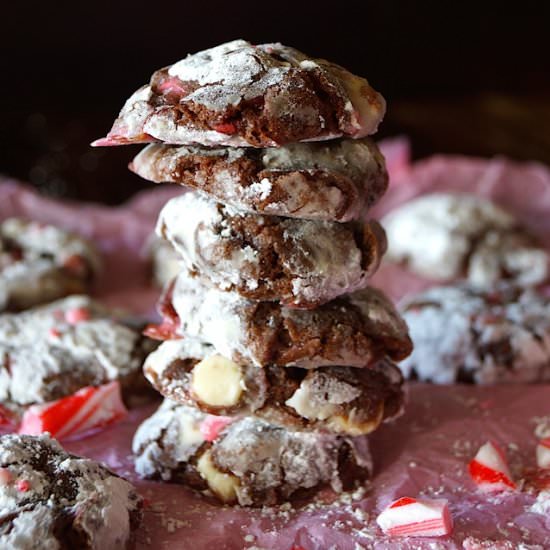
{"type": "Point", "coordinates": [23, 485]}
{"type": "Point", "coordinates": [75, 264]}
{"type": "Point", "coordinates": [54, 333]}
{"type": "Point", "coordinates": [225, 128]}
{"type": "Point", "coordinates": [212, 425]}
{"type": "Point", "coordinates": [77, 315]}
{"type": "Point", "coordinates": [403, 502]}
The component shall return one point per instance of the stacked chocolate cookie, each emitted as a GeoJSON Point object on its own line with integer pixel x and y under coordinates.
{"type": "Point", "coordinates": [278, 359]}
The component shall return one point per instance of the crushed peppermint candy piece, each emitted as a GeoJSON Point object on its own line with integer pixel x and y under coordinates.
{"type": "Point", "coordinates": [23, 485]}
{"type": "Point", "coordinates": [88, 409]}
{"type": "Point", "coordinates": [162, 331]}
{"type": "Point", "coordinates": [54, 333]}
{"type": "Point", "coordinates": [212, 425]}
{"type": "Point", "coordinates": [490, 470]}
{"type": "Point", "coordinates": [543, 453]}
{"type": "Point", "coordinates": [75, 264]}
{"type": "Point", "coordinates": [77, 315]}
{"type": "Point", "coordinates": [6, 417]}
{"type": "Point", "coordinates": [416, 517]}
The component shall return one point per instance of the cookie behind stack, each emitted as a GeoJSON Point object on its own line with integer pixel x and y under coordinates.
{"type": "Point", "coordinates": [279, 356]}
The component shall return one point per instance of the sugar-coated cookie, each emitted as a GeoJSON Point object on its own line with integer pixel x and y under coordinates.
{"type": "Point", "coordinates": [247, 461]}
{"type": "Point", "coordinates": [55, 500]}
{"type": "Point", "coordinates": [300, 262]}
{"type": "Point", "coordinates": [445, 236]}
{"type": "Point", "coordinates": [332, 180]}
{"type": "Point", "coordinates": [342, 400]}
{"type": "Point", "coordinates": [461, 333]}
{"type": "Point", "coordinates": [40, 263]}
{"type": "Point", "coordinates": [52, 351]}
{"type": "Point", "coordinates": [241, 94]}
{"type": "Point", "coordinates": [354, 330]}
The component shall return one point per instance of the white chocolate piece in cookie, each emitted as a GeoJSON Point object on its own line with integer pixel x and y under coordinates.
{"type": "Point", "coordinates": [223, 485]}
{"type": "Point", "coordinates": [352, 425]}
{"type": "Point", "coordinates": [217, 381]}
{"type": "Point", "coordinates": [444, 236]}
{"type": "Point", "coordinates": [293, 398]}
{"type": "Point", "coordinates": [249, 461]}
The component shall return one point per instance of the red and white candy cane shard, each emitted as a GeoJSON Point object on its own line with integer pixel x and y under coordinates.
{"type": "Point", "coordinates": [416, 518]}
{"type": "Point", "coordinates": [543, 453]}
{"type": "Point", "coordinates": [88, 409]}
{"type": "Point", "coordinates": [489, 469]}
{"type": "Point", "coordinates": [212, 426]}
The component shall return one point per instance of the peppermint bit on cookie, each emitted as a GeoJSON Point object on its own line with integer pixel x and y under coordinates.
{"type": "Point", "coordinates": [240, 94]}
{"type": "Point", "coordinates": [247, 461]}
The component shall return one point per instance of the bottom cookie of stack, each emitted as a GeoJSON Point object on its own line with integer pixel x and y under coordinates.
{"type": "Point", "coordinates": [246, 461]}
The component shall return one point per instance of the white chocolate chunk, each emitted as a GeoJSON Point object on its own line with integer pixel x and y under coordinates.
{"type": "Point", "coordinates": [189, 432]}
{"type": "Point", "coordinates": [221, 484]}
{"type": "Point", "coordinates": [301, 401]}
{"type": "Point", "coordinates": [351, 426]}
{"type": "Point", "coordinates": [217, 381]}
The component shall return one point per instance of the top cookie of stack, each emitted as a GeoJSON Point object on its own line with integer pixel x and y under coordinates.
{"type": "Point", "coordinates": [277, 257]}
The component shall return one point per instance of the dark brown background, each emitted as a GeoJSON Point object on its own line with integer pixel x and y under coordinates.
{"type": "Point", "coordinates": [459, 77]}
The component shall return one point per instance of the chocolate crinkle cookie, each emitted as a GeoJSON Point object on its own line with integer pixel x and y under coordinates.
{"type": "Point", "coordinates": [354, 330]}
{"type": "Point", "coordinates": [55, 500]}
{"type": "Point", "coordinates": [465, 334]}
{"type": "Point", "coordinates": [241, 94]}
{"type": "Point", "coordinates": [40, 263]}
{"type": "Point", "coordinates": [247, 461]}
{"type": "Point", "coordinates": [52, 351]}
{"type": "Point", "coordinates": [343, 400]}
{"type": "Point", "coordinates": [299, 262]}
{"type": "Point", "coordinates": [333, 181]}
{"type": "Point", "coordinates": [447, 236]}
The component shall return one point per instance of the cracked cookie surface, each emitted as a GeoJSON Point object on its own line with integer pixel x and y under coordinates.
{"type": "Point", "coordinates": [333, 181]}
{"type": "Point", "coordinates": [40, 263]}
{"type": "Point", "coordinates": [239, 94]}
{"type": "Point", "coordinates": [343, 400]}
{"type": "Point", "coordinates": [299, 262]}
{"type": "Point", "coordinates": [461, 333]}
{"type": "Point", "coordinates": [54, 500]}
{"type": "Point", "coordinates": [248, 461]}
{"type": "Point", "coordinates": [445, 236]}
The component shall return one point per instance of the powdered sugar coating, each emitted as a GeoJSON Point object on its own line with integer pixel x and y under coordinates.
{"type": "Point", "coordinates": [164, 259]}
{"type": "Point", "coordinates": [276, 90]}
{"type": "Point", "coordinates": [335, 399]}
{"type": "Point", "coordinates": [40, 263]}
{"type": "Point", "coordinates": [57, 500]}
{"type": "Point", "coordinates": [354, 330]}
{"type": "Point", "coordinates": [444, 236]}
{"type": "Point", "coordinates": [45, 357]}
{"type": "Point", "coordinates": [461, 333]}
{"type": "Point", "coordinates": [269, 463]}
{"type": "Point", "coordinates": [267, 258]}
{"type": "Point", "coordinates": [333, 181]}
